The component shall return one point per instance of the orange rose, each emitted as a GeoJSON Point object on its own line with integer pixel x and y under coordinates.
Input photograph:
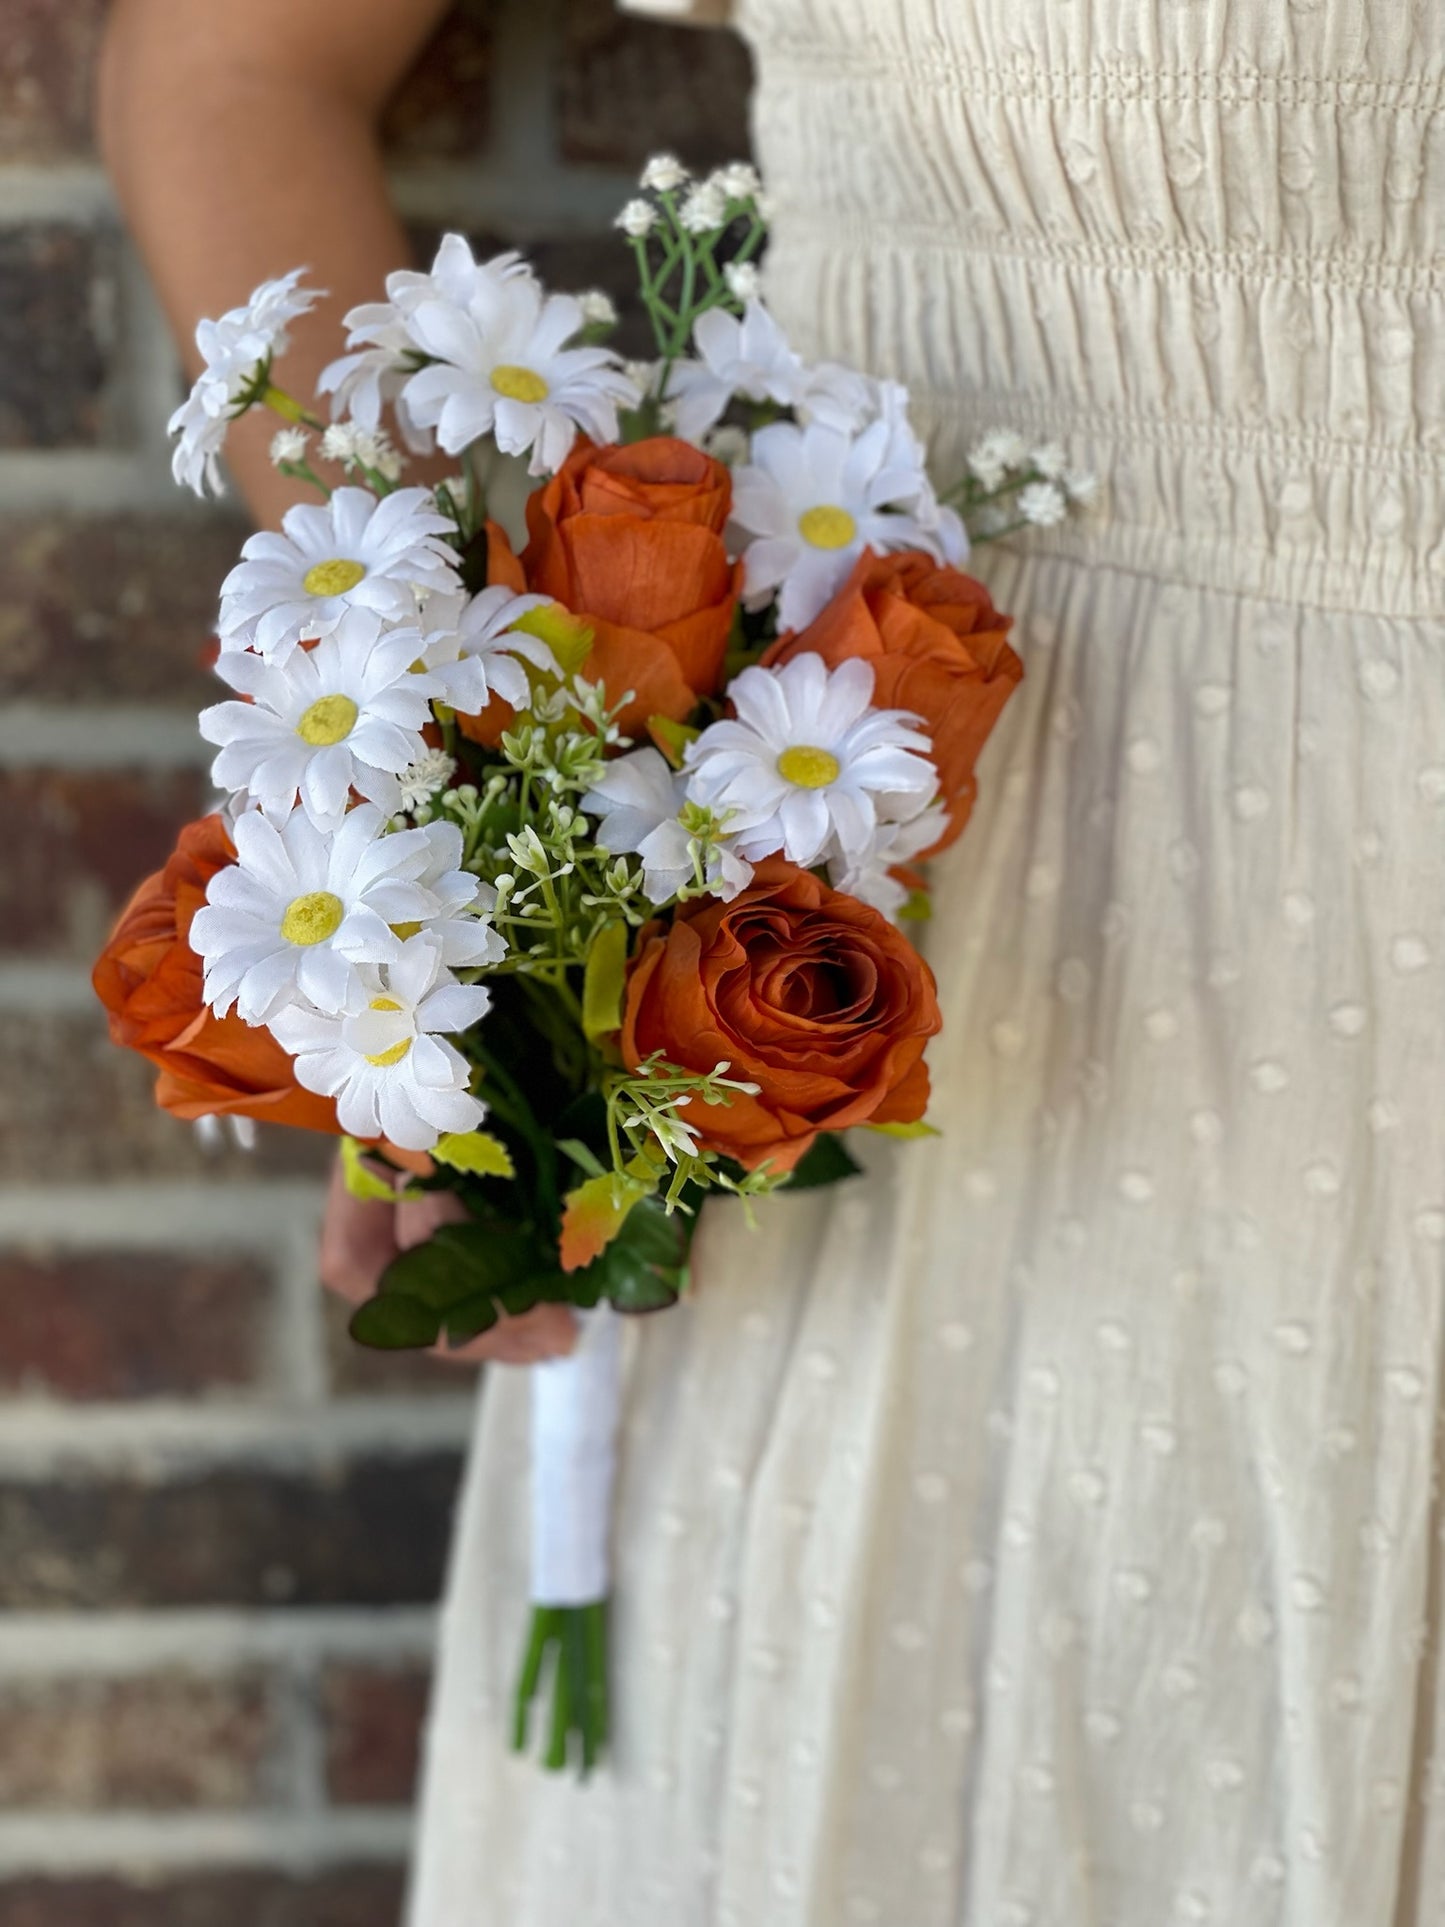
{"type": "Point", "coordinates": [149, 980]}
{"type": "Point", "coordinates": [807, 993]}
{"type": "Point", "coordinates": [937, 647]}
{"type": "Point", "coordinates": [631, 539]}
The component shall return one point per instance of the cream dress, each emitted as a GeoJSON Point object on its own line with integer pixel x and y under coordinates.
{"type": "Point", "coordinates": [1044, 1533]}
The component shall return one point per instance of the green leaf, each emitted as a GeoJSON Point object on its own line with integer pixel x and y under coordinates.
{"type": "Point", "coordinates": [671, 738]}
{"type": "Point", "coordinates": [471, 1318]}
{"type": "Point", "coordinates": [603, 981]}
{"type": "Point", "coordinates": [916, 1129]}
{"type": "Point", "coordinates": [582, 1155]}
{"type": "Point", "coordinates": [478, 1152]}
{"type": "Point", "coordinates": [567, 636]}
{"type": "Point", "coordinates": [829, 1162]}
{"type": "Point", "coordinates": [363, 1180]}
{"type": "Point", "coordinates": [391, 1322]}
{"type": "Point", "coordinates": [917, 907]}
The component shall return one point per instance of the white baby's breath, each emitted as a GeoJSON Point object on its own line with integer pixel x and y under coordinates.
{"type": "Point", "coordinates": [1050, 459]}
{"type": "Point", "coordinates": [704, 209]}
{"type": "Point", "coordinates": [289, 445]}
{"type": "Point", "coordinates": [599, 310]}
{"type": "Point", "coordinates": [743, 280]}
{"type": "Point", "coordinates": [739, 181]}
{"type": "Point", "coordinates": [427, 777]}
{"type": "Point", "coordinates": [663, 173]}
{"type": "Point", "coordinates": [1043, 503]}
{"type": "Point", "coordinates": [637, 219]}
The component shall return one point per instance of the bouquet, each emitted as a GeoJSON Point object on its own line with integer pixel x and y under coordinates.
{"type": "Point", "coordinates": [574, 876]}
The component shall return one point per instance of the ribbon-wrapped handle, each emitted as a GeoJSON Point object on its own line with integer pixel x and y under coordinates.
{"type": "Point", "coordinates": [576, 1403]}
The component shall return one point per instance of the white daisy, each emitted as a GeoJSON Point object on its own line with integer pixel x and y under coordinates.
{"type": "Point", "coordinates": [748, 357]}
{"type": "Point", "coordinates": [353, 552]}
{"type": "Point", "coordinates": [812, 499]}
{"type": "Point", "coordinates": [866, 873]}
{"type": "Point", "coordinates": [462, 906]}
{"type": "Point", "coordinates": [808, 766]}
{"type": "Point", "coordinates": [346, 714]}
{"type": "Point", "coordinates": [234, 350]}
{"type": "Point", "coordinates": [501, 366]}
{"type": "Point", "coordinates": [476, 653]}
{"type": "Point", "coordinates": [300, 910]}
{"type": "Point", "coordinates": [384, 354]}
{"type": "Point", "coordinates": [945, 526]}
{"type": "Point", "coordinates": [640, 800]}
{"type": "Point", "coordinates": [386, 1058]}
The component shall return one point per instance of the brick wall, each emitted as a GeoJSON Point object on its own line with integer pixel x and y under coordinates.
{"type": "Point", "coordinates": [222, 1530]}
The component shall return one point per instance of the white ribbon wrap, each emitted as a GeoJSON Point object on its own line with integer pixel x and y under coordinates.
{"type": "Point", "coordinates": [576, 1403]}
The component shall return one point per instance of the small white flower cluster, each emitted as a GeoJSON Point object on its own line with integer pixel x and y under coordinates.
{"type": "Point", "coordinates": [706, 205]}
{"type": "Point", "coordinates": [805, 768]}
{"type": "Point", "coordinates": [1005, 459]}
{"type": "Point", "coordinates": [234, 351]}
{"type": "Point", "coordinates": [337, 928]}
{"type": "Point", "coordinates": [473, 349]}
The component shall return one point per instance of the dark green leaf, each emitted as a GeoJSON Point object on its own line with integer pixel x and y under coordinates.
{"type": "Point", "coordinates": [829, 1162]}
{"type": "Point", "coordinates": [393, 1323]}
{"type": "Point", "coordinates": [471, 1318]}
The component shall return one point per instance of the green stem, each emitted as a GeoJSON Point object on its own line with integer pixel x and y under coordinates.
{"type": "Point", "coordinates": [291, 410]}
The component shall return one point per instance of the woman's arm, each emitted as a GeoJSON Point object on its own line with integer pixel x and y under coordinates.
{"type": "Point", "coordinates": [241, 136]}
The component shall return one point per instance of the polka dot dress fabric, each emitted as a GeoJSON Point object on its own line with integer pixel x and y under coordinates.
{"type": "Point", "coordinates": [1044, 1530]}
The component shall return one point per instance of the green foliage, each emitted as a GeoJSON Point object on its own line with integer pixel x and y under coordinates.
{"type": "Point", "coordinates": [829, 1162]}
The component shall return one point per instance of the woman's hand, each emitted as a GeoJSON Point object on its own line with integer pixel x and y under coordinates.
{"type": "Point", "coordinates": [359, 1238]}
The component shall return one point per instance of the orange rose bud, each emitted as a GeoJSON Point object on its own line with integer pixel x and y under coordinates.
{"type": "Point", "coordinates": [937, 646]}
{"type": "Point", "coordinates": [149, 979]}
{"type": "Point", "coordinates": [807, 993]}
{"type": "Point", "coordinates": [631, 539]}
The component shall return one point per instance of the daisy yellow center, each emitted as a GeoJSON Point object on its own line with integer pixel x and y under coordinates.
{"type": "Point", "coordinates": [519, 384]}
{"type": "Point", "coordinates": [383, 1058]}
{"type": "Point", "coordinates": [333, 577]}
{"type": "Point", "coordinates": [808, 768]}
{"type": "Point", "coordinates": [312, 918]}
{"type": "Point", "coordinates": [327, 721]}
{"type": "Point", "coordinates": [827, 526]}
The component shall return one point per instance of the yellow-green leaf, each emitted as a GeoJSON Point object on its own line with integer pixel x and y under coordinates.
{"type": "Point", "coordinates": [475, 1151]}
{"type": "Point", "coordinates": [593, 1215]}
{"type": "Point", "coordinates": [918, 1129]}
{"type": "Point", "coordinates": [363, 1180]}
{"type": "Point", "coordinates": [603, 981]}
{"type": "Point", "coordinates": [671, 738]}
{"type": "Point", "coordinates": [567, 636]}
{"type": "Point", "coordinates": [918, 907]}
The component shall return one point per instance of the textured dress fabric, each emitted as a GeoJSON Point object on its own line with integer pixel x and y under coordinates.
{"type": "Point", "coordinates": [1044, 1531]}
